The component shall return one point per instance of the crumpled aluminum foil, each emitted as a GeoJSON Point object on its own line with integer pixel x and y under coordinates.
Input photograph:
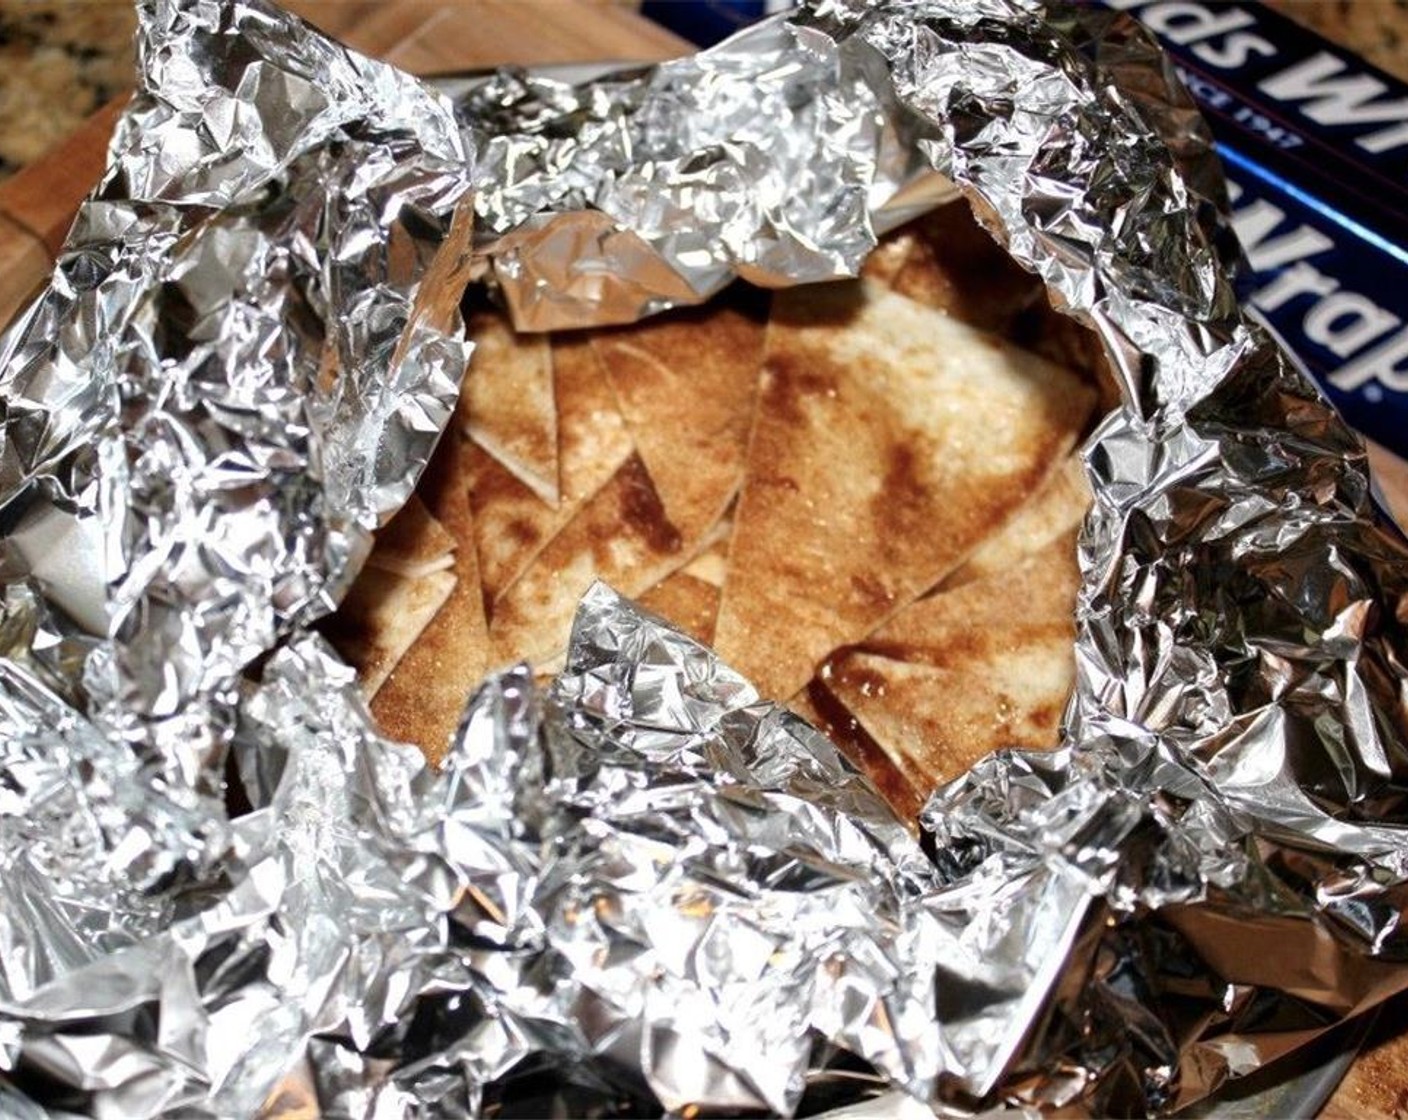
{"type": "Point", "coordinates": [659, 187]}
{"type": "Point", "coordinates": [223, 893]}
{"type": "Point", "coordinates": [247, 352]}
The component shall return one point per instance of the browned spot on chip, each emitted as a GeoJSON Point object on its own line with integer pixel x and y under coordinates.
{"type": "Point", "coordinates": [642, 511]}
{"type": "Point", "coordinates": [792, 390]}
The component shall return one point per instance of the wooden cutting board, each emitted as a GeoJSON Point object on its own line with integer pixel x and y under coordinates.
{"type": "Point", "coordinates": [429, 37]}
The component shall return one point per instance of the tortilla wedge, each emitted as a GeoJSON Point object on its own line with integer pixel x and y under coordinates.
{"type": "Point", "coordinates": [973, 619]}
{"type": "Point", "coordinates": [511, 523]}
{"type": "Point", "coordinates": [1056, 510]}
{"type": "Point", "coordinates": [956, 266]}
{"type": "Point", "coordinates": [512, 411]}
{"type": "Point", "coordinates": [935, 723]}
{"type": "Point", "coordinates": [413, 543]}
{"type": "Point", "coordinates": [685, 601]}
{"type": "Point", "coordinates": [947, 261]}
{"type": "Point", "coordinates": [889, 256]}
{"type": "Point", "coordinates": [689, 597]}
{"type": "Point", "coordinates": [423, 697]}
{"type": "Point", "coordinates": [962, 673]}
{"type": "Point", "coordinates": [686, 386]}
{"type": "Point", "coordinates": [889, 441]}
{"type": "Point", "coordinates": [1052, 516]}
{"type": "Point", "coordinates": [623, 537]}
{"type": "Point", "coordinates": [382, 616]}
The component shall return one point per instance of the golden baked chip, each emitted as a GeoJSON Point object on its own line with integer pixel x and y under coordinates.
{"type": "Point", "coordinates": [690, 597]}
{"type": "Point", "coordinates": [890, 439]}
{"type": "Point", "coordinates": [622, 536]}
{"type": "Point", "coordinates": [958, 675]}
{"type": "Point", "coordinates": [954, 265]}
{"type": "Point", "coordinates": [947, 261]}
{"type": "Point", "coordinates": [686, 385]}
{"type": "Point", "coordinates": [1056, 509]}
{"type": "Point", "coordinates": [413, 543]}
{"type": "Point", "coordinates": [425, 692]}
{"type": "Point", "coordinates": [511, 410]}
{"type": "Point", "coordinates": [686, 601]}
{"type": "Point", "coordinates": [382, 616]}
{"type": "Point", "coordinates": [511, 522]}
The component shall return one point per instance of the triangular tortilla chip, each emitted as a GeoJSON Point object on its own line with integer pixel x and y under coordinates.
{"type": "Point", "coordinates": [960, 674]}
{"type": "Point", "coordinates": [1039, 588]}
{"type": "Point", "coordinates": [423, 698]}
{"type": "Point", "coordinates": [686, 385]}
{"type": "Point", "coordinates": [889, 441]}
{"type": "Point", "coordinates": [622, 537]}
{"type": "Point", "coordinates": [511, 523]}
{"type": "Point", "coordinates": [820, 709]}
{"type": "Point", "coordinates": [512, 412]}
{"type": "Point", "coordinates": [381, 617]}
{"type": "Point", "coordinates": [689, 597]}
{"type": "Point", "coordinates": [710, 564]}
{"type": "Point", "coordinates": [889, 256]}
{"type": "Point", "coordinates": [934, 723]}
{"type": "Point", "coordinates": [412, 543]}
{"type": "Point", "coordinates": [954, 265]}
{"type": "Point", "coordinates": [1059, 507]}
{"type": "Point", "coordinates": [687, 602]}
{"type": "Point", "coordinates": [947, 261]}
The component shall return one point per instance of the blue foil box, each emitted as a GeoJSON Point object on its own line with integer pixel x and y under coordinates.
{"type": "Point", "coordinates": [704, 22]}
{"type": "Point", "coordinates": [1315, 144]}
{"type": "Point", "coordinates": [1314, 141]}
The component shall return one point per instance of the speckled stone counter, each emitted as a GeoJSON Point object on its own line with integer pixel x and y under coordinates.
{"type": "Point", "coordinates": [1376, 29]}
{"type": "Point", "coordinates": [59, 61]}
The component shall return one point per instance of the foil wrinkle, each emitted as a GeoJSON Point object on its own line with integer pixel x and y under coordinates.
{"type": "Point", "coordinates": [643, 889]}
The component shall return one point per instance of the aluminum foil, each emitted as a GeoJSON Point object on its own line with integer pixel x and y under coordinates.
{"type": "Point", "coordinates": [223, 893]}
{"type": "Point", "coordinates": [237, 370]}
{"type": "Point", "coordinates": [657, 188]}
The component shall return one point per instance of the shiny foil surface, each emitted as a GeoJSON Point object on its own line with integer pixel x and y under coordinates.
{"type": "Point", "coordinates": [644, 890]}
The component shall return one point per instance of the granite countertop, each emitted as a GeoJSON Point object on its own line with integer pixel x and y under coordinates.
{"type": "Point", "coordinates": [61, 59]}
{"type": "Point", "coordinates": [1375, 29]}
